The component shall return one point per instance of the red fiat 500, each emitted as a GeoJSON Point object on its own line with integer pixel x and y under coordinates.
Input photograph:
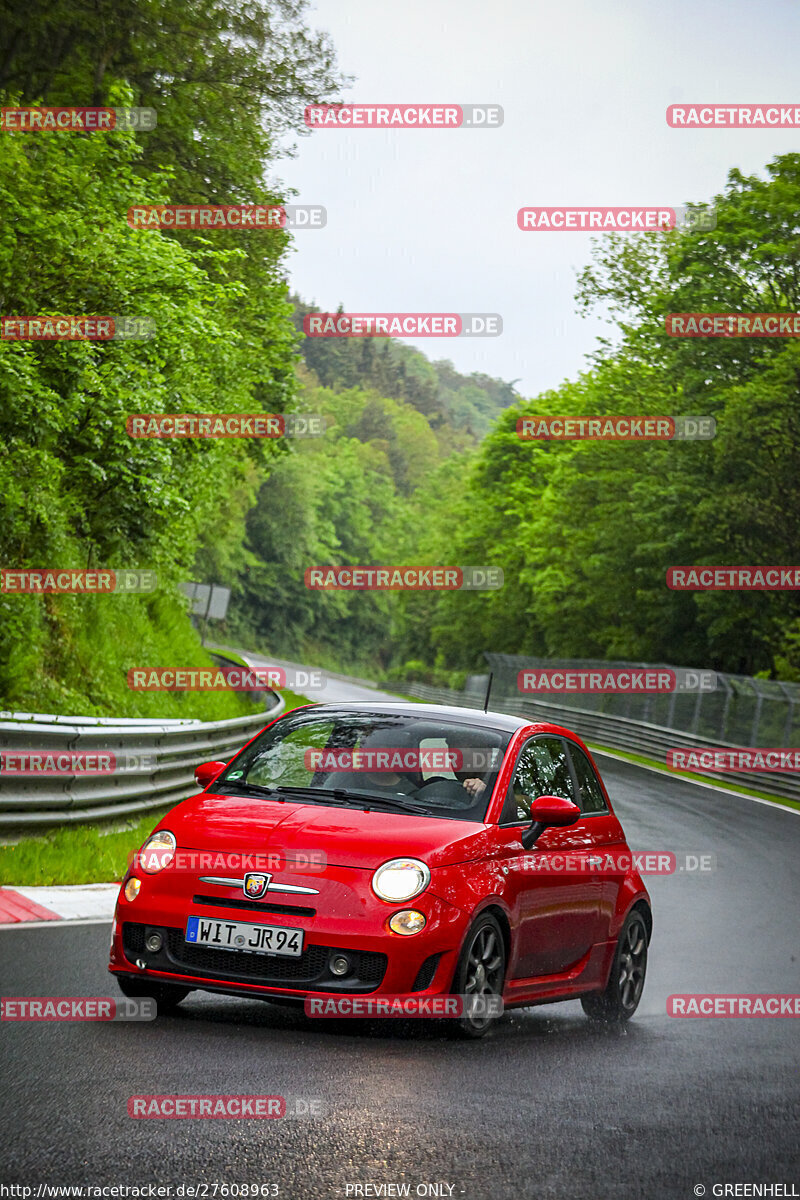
{"type": "Point", "coordinates": [391, 850]}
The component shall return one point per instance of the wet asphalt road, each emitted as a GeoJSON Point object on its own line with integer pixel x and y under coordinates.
{"type": "Point", "coordinates": [547, 1106]}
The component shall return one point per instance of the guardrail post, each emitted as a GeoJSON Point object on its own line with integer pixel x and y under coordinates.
{"type": "Point", "coordinates": [726, 706]}
{"type": "Point", "coordinates": [787, 727]}
{"type": "Point", "coordinates": [696, 713]}
{"type": "Point", "coordinates": [757, 714]}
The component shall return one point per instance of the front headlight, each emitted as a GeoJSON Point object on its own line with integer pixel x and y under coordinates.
{"type": "Point", "coordinates": [400, 879]}
{"type": "Point", "coordinates": [132, 889]}
{"type": "Point", "coordinates": [407, 921]}
{"type": "Point", "coordinates": [157, 852]}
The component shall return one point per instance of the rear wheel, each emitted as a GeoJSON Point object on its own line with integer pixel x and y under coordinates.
{"type": "Point", "coordinates": [166, 995]}
{"type": "Point", "coordinates": [623, 992]}
{"type": "Point", "coordinates": [480, 972]}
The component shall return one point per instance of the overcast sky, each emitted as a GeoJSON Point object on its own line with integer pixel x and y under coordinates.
{"type": "Point", "coordinates": [425, 221]}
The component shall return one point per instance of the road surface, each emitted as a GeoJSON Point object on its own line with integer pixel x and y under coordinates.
{"type": "Point", "coordinates": [547, 1106]}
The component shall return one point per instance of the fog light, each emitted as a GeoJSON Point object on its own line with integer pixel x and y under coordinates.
{"type": "Point", "coordinates": [408, 921]}
{"type": "Point", "coordinates": [132, 888]}
{"type": "Point", "coordinates": [153, 941]}
{"type": "Point", "coordinates": [339, 965]}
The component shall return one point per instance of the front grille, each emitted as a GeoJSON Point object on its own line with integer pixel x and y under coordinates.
{"type": "Point", "coordinates": [255, 967]}
{"type": "Point", "coordinates": [291, 910]}
{"type": "Point", "coordinates": [132, 938]}
{"type": "Point", "coordinates": [310, 970]}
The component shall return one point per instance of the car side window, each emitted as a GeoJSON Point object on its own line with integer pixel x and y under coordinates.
{"type": "Point", "coordinates": [590, 793]}
{"type": "Point", "coordinates": [542, 770]}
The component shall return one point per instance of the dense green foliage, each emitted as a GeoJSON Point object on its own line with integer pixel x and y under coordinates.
{"type": "Point", "coordinates": [75, 490]}
{"type": "Point", "coordinates": [586, 530]}
{"type": "Point", "coordinates": [420, 464]}
{"type": "Point", "coordinates": [223, 75]}
{"type": "Point", "coordinates": [460, 408]}
{"type": "Point", "coordinates": [343, 497]}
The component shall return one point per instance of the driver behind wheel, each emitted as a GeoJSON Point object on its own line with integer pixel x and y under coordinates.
{"type": "Point", "coordinates": [398, 783]}
{"type": "Point", "coordinates": [477, 765]}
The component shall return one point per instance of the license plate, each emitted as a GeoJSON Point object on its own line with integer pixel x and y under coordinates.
{"type": "Point", "coordinates": [242, 935]}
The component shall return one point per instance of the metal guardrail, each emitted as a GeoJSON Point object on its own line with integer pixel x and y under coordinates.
{"type": "Point", "coordinates": [739, 710]}
{"type": "Point", "coordinates": [157, 761]}
{"type": "Point", "coordinates": [158, 758]}
{"type": "Point", "coordinates": [253, 658]}
{"type": "Point", "coordinates": [607, 729]}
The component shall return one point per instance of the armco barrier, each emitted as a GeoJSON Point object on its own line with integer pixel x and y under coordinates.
{"type": "Point", "coordinates": [174, 749]}
{"type": "Point", "coordinates": [605, 729]}
{"type": "Point", "coordinates": [740, 710]}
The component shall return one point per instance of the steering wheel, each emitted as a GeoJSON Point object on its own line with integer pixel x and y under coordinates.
{"type": "Point", "coordinates": [445, 792]}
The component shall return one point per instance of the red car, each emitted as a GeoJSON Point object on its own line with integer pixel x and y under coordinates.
{"type": "Point", "coordinates": [391, 850]}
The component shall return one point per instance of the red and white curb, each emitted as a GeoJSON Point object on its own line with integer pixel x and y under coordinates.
{"type": "Point", "coordinates": [39, 905]}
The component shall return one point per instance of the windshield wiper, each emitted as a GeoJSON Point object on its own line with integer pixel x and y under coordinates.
{"type": "Point", "coordinates": [361, 800]}
{"type": "Point", "coordinates": [339, 794]}
{"type": "Point", "coordinates": [343, 796]}
{"type": "Point", "coordinates": [335, 795]}
{"type": "Point", "coordinates": [238, 785]}
{"type": "Point", "coordinates": [369, 801]}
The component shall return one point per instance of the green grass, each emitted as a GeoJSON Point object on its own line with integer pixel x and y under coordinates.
{"type": "Point", "coordinates": [76, 661]}
{"type": "Point", "coordinates": [76, 854]}
{"type": "Point", "coordinates": [293, 699]}
{"type": "Point", "coordinates": [85, 853]}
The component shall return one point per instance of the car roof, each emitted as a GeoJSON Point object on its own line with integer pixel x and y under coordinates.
{"type": "Point", "coordinates": [502, 722]}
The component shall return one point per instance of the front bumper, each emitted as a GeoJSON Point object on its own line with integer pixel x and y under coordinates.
{"type": "Point", "coordinates": [343, 918]}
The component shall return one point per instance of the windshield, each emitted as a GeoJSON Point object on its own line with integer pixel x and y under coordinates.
{"type": "Point", "coordinates": [434, 768]}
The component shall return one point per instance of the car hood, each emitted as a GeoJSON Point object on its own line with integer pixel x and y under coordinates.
{"type": "Point", "coordinates": [347, 837]}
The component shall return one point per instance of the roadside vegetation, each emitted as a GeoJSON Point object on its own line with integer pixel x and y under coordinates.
{"type": "Point", "coordinates": [95, 853]}
{"type": "Point", "coordinates": [420, 464]}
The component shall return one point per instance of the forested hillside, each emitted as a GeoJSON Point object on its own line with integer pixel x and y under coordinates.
{"type": "Point", "coordinates": [584, 531]}
{"type": "Point", "coordinates": [75, 490]}
{"type": "Point", "coordinates": [420, 463]}
{"type": "Point", "coordinates": [461, 408]}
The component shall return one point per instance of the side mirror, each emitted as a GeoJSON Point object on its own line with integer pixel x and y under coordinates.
{"type": "Point", "coordinates": [207, 771]}
{"type": "Point", "coordinates": [549, 812]}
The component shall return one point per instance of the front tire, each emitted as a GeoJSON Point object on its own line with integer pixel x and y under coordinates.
{"type": "Point", "coordinates": [166, 995]}
{"type": "Point", "coordinates": [623, 992]}
{"type": "Point", "coordinates": [481, 971]}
